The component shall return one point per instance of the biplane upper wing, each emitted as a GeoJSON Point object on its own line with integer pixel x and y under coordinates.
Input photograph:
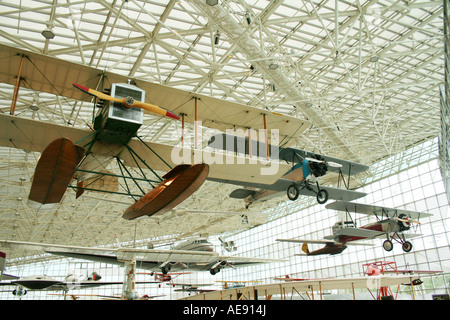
{"type": "Point", "coordinates": [52, 75]}
{"type": "Point", "coordinates": [374, 210]}
{"type": "Point", "coordinates": [293, 155]}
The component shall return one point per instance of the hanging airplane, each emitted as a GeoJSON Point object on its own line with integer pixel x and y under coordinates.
{"type": "Point", "coordinates": [46, 283]}
{"type": "Point", "coordinates": [391, 223]}
{"type": "Point", "coordinates": [78, 158]}
{"type": "Point", "coordinates": [301, 179]}
{"type": "Point", "coordinates": [165, 277]}
{"type": "Point", "coordinates": [196, 254]}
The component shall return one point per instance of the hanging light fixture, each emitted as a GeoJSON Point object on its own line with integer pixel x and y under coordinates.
{"type": "Point", "coordinates": [217, 37]}
{"type": "Point", "coordinates": [48, 33]}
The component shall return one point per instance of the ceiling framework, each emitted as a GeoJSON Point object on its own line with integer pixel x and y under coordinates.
{"type": "Point", "coordinates": [366, 74]}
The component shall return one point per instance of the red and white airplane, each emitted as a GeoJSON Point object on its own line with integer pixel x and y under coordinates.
{"type": "Point", "coordinates": [391, 223]}
{"type": "Point", "coordinates": [164, 277]}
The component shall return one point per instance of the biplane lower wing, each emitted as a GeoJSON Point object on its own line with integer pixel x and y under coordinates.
{"type": "Point", "coordinates": [282, 185]}
{"type": "Point", "coordinates": [359, 232]}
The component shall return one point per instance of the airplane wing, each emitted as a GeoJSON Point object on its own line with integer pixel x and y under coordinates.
{"type": "Point", "coordinates": [293, 155]}
{"type": "Point", "coordinates": [374, 210]}
{"type": "Point", "coordinates": [281, 185]}
{"type": "Point", "coordinates": [359, 232]}
{"type": "Point", "coordinates": [27, 134]}
{"type": "Point", "coordinates": [307, 241]}
{"type": "Point", "coordinates": [322, 242]}
{"type": "Point", "coordinates": [55, 285]}
{"type": "Point", "coordinates": [52, 75]}
{"type": "Point", "coordinates": [411, 271]}
{"type": "Point", "coordinates": [145, 258]}
{"type": "Point", "coordinates": [251, 292]}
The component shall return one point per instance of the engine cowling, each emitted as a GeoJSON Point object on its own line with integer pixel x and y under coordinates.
{"type": "Point", "coordinates": [216, 267]}
{"type": "Point", "coordinates": [403, 222]}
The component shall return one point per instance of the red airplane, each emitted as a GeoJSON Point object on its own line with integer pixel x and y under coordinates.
{"type": "Point", "coordinates": [164, 277]}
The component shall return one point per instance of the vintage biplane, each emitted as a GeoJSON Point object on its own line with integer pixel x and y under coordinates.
{"type": "Point", "coordinates": [301, 179]}
{"type": "Point", "coordinates": [391, 223]}
{"type": "Point", "coordinates": [78, 158]}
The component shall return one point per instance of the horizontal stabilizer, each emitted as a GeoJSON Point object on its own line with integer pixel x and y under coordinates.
{"type": "Point", "coordinates": [307, 241]}
{"type": "Point", "coordinates": [241, 193]}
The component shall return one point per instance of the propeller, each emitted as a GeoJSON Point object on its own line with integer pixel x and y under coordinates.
{"type": "Point", "coordinates": [128, 102]}
{"type": "Point", "coordinates": [407, 220]}
{"type": "Point", "coordinates": [329, 163]}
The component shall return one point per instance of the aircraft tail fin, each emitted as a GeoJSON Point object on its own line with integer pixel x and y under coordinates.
{"type": "Point", "coordinates": [2, 263]}
{"type": "Point", "coordinates": [305, 248]}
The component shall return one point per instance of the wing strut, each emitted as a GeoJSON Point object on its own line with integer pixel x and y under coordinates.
{"type": "Point", "coordinates": [17, 87]}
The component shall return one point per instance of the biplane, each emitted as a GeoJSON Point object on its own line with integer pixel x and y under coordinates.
{"type": "Point", "coordinates": [78, 158]}
{"type": "Point", "coordinates": [391, 223]}
{"type": "Point", "coordinates": [301, 179]}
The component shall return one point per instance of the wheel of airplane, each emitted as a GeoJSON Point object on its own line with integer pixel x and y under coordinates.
{"type": "Point", "coordinates": [407, 246]}
{"type": "Point", "coordinates": [387, 245]}
{"type": "Point", "coordinates": [293, 192]}
{"type": "Point", "coordinates": [322, 196]}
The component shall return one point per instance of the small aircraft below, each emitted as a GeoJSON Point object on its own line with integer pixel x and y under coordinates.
{"type": "Point", "coordinates": [195, 254]}
{"type": "Point", "coordinates": [161, 277]}
{"type": "Point", "coordinates": [391, 223]}
{"type": "Point", "coordinates": [228, 284]}
{"type": "Point", "coordinates": [301, 179]}
{"type": "Point", "coordinates": [193, 288]}
{"type": "Point", "coordinates": [46, 283]}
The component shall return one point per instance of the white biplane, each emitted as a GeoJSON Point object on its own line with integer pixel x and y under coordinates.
{"type": "Point", "coordinates": [391, 223]}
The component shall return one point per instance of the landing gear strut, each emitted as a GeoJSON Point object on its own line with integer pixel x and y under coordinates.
{"type": "Point", "coordinates": [293, 192]}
